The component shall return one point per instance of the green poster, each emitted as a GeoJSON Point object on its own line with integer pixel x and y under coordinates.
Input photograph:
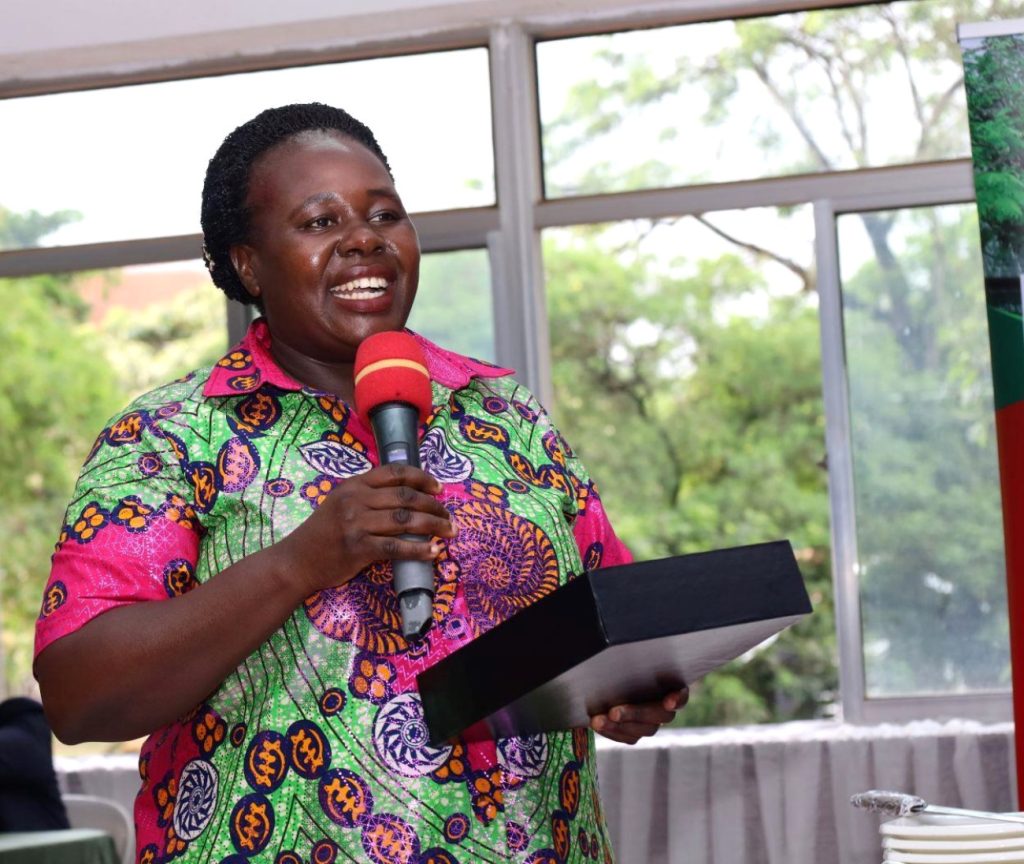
{"type": "Point", "coordinates": [994, 80]}
{"type": "Point", "coordinates": [993, 57]}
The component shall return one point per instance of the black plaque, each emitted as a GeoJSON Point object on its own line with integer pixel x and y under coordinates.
{"type": "Point", "coordinates": [613, 636]}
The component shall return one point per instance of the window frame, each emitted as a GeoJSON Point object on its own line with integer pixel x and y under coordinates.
{"type": "Point", "coordinates": [950, 187]}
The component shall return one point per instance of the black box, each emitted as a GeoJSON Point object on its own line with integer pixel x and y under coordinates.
{"type": "Point", "coordinates": [622, 634]}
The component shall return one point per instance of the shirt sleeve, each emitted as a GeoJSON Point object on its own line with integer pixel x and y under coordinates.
{"type": "Point", "coordinates": [597, 541]}
{"type": "Point", "coordinates": [130, 534]}
{"type": "Point", "coordinates": [598, 544]}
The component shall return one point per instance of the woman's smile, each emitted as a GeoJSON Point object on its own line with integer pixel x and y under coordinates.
{"type": "Point", "coordinates": [366, 289]}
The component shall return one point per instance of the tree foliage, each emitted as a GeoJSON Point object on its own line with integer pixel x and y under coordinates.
{"type": "Point", "coordinates": [456, 280]}
{"type": "Point", "coordinates": [25, 230]}
{"type": "Point", "coordinates": [160, 342]}
{"type": "Point", "coordinates": [995, 75]}
{"type": "Point", "coordinates": [704, 429]}
{"type": "Point", "coordinates": [55, 392]}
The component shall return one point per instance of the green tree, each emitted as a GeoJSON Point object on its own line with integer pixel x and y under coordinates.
{"type": "Point", "coordinates": [995, 75]}
{"type": "Point", "coordinates": [25, 230]}
{"type": "Point", "coordinates": [55, 392]}
{"type": "Point", "coordinates": [150, 346]}
{"type": "Point", "coordinates": [456, 280]}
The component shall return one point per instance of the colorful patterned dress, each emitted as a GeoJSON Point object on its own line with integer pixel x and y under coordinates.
{"type": "Point", "coordinates": [314, 749]}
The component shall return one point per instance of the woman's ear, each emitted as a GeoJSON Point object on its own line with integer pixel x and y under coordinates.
{"type": "Point", "coordinates": [242, 260]}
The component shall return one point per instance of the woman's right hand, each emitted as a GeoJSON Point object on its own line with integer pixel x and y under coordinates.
{"type": "Point", "coordinates": [98, 682]}
{"type": "Point", "coordinates": [361, 520]}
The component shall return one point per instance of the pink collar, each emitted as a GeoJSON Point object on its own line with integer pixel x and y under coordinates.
{"type": "Point", "coordinates": [249, 365]}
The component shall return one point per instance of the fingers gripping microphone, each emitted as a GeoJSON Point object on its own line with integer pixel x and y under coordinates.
{"type": "Point", "coordinates": [392, 389]}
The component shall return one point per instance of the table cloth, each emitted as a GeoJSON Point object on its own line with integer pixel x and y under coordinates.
{"type": "Point", "coordinates": [74, 846]}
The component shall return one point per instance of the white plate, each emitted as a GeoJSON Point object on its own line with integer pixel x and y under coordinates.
{"type": "Point", "coordinates": [923, 825]}
{"type": "Point", "coordinates": [973, 845]}
{"type": "Point", "coordinates": [955, 858]}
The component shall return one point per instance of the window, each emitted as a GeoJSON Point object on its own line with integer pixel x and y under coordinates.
{"type": "Point", "coordinates": [140, 152]}
{"type": "Point", "coordinates": [926, 484]}
{"type": "Point", "coordinates": [716, 120]}
{"type": "Point", "coordinates": [686, 369]}
{"type": "Point", "coordinates": [821, 90]}
{"type": "Point", "coordinates": [456, 280]}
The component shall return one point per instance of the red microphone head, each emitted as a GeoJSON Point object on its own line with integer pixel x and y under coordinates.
{"type": "Point", "coordinates": [391, 367]}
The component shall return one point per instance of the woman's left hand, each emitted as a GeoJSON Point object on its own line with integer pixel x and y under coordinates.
{"type": "Point", "coordinates": [629, 723]}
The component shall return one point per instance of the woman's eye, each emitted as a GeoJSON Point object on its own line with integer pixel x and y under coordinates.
{"type": "Point", "coordinates": [320, 222]}
{"type": "Point", "coordinates": [384, 216]}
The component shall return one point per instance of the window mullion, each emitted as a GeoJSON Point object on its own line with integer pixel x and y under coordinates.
{"type": "Point", "coordinates": [521, 332]}
{"type": "Point", "coordinates": [840, 464]}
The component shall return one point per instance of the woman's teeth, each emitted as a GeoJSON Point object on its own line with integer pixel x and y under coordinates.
{"type": "Point", "coordinates": [361, 289]}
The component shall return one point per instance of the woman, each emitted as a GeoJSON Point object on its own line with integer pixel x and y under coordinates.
{"type": "Point", "coordinates": [245, 498]}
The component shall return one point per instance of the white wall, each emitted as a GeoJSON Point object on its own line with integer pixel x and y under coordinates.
{"type": "Point", "coordinates": [61, 24]}
{"type": "Point", "coordinates": [51, 43]}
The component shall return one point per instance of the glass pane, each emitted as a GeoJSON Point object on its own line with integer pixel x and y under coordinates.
{"type": "Point", "coordinates": [730, 100]}
{"type": "Point", "coordinates": [929, 523]}
{"type": "Point", "coordinates": [453, 304]}
{"type": "Point", "coordinates": [136, 163]}
{"type": "Point", "coordinates": [79, 347]}
{"type": "Point", "coordinates": [687, 376]}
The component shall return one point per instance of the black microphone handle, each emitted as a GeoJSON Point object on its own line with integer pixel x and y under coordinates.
{"type": "Point", "coordinates": [395, 427]}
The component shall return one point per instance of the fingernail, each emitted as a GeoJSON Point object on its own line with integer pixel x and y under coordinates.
{"type": "Point", "coordinates": [435, 549]}
{"type": "Point", "coordinates": [616, 715]}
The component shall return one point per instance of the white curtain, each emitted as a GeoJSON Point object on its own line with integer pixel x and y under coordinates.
{"type": "Point", "coordinates": [780, 794]}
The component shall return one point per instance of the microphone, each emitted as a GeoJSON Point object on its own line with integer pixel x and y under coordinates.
{"type": "Point", "coordinates": [392, 390]}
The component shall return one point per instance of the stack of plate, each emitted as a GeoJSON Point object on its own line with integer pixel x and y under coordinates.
{"type": "Point", "coordinates": [928, 839]}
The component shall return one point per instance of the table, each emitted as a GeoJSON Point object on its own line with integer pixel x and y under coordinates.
{"type": "Point", "coordinates": [73, 846]}
{"type": "Point", "coordinates": [781, 794]}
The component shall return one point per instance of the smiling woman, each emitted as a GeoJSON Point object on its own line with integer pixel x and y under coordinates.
{"type": "Point", "coordinates": [223, 581]}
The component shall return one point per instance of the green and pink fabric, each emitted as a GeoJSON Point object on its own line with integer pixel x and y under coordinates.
{"type": "Point", "coordinates": [314, 749]}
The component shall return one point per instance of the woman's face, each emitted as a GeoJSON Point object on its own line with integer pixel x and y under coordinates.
{"type": "Point", "coordinates": [332, 254]}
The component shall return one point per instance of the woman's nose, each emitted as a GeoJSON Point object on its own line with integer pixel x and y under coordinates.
{"type": "Point", "coordinates": [360, 240]}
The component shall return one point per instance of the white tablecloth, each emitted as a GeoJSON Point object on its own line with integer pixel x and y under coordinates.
{"type": "Point", "coordinates": [754, 795]}
{"type": "Point", "coordinates": [780, 794]}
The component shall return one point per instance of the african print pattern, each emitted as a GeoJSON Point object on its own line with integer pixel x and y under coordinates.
{"type": "Point", "coordinates": [315, 749]}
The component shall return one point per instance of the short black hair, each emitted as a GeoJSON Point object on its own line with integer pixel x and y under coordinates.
{"type": "Point", "coordinates": [224, 216]}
